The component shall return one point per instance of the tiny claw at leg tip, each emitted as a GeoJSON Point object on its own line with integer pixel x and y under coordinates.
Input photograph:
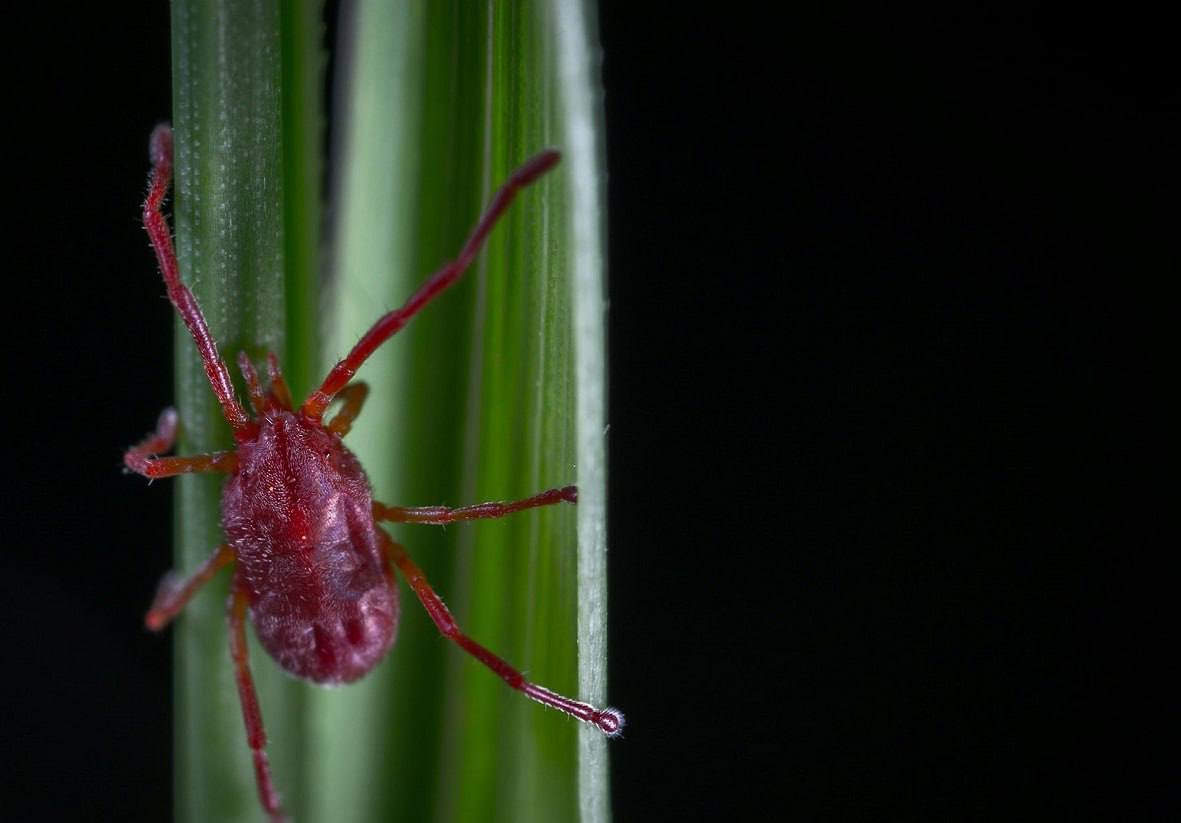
{"type": "Point", "coordinates": [611, 722]}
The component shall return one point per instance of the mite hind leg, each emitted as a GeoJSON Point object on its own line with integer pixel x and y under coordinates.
{"type": "Point", "coordinates": [441, 515]}
{"type": "Point", "coordinates": [256, 736]}
{"type": "Point", "coordinates": [608, 720]}
{"type": "Point", "coordinates": [175, 591]}
{"type": "Point", "coordinates": [141, 460]}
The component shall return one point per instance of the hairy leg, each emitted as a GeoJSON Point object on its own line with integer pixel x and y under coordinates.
{"type": "Point", "coordinates": [256, 736]}
{"type": "Point", "coordinates": [609, 721]}
{"type": "Point", "coordinates": [279, 389]}
{"type": "Point", "coordinates": [388, 325]}
{"type": "Point", "coordinates": [140, 459]}
{"type": "Point", "coordinates": [258, 398]}
{"type": "Point", "coordinates": [441, 515]}
{"type": "Point", "coordinates": [182, 299]}
{"type": "Point", "coordinates": [175, 592]}
{"type": "Point", "coordinates": [353, 396]}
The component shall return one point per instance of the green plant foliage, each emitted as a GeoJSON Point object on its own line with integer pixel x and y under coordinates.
{"type": "Point", "coordinates": [246, 214]}
{"type": "Point", "coordinates": [494, 392]}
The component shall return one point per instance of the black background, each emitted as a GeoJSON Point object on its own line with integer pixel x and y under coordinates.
{"type": "Point", "coordinates": [887, 315]}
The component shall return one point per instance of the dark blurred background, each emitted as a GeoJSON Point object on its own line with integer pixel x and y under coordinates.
{"type": "Point", "coordinates": [887, 316]}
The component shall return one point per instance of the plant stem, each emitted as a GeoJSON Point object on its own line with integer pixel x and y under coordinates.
{"type": "Point", "coordinates": [479, 398]}
{"type": "Point", "coordinates": [495, 392]}
{"type": "Point", "coordinates": [246, 243]}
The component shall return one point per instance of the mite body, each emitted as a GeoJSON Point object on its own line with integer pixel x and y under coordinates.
{"type": "Point", "coordinates": [312, 570]}
{"type": "Point", "coordinates": [299, 516]}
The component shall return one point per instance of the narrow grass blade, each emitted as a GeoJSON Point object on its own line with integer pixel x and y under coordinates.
{"type": "Point", "coordinates": [495, 392]}
{"type": "Point", "coordinates": [582, 114]}
{"type": "Point", "coordinates": [246, 240]}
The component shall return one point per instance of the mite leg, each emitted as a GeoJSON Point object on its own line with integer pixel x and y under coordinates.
{"type": "Point", "coordinates": [441, 515]}
{"type": "Point", "coordinates": [174, 592]}
{"type": "Point", "coordinates": [392, 322]}
{"type": "Point", "coordinates": [279, 389]}
{"type": "Point", "coordinates": [609, 721]}
{"type": "Point", "coordinates": [258, 399]}
{"type": "Point", "coordinates": [256, 736]}
{"type": "Point", "coordinates": [178, 293]}
{"type": "Point", "coordinates": [139, 458]}
{"type": "Point", "coordinates": [353, 396]}
{"type": "Point", "coordinates": [160, 440]}
{"type": "Point", "coordinates": [225, 462]}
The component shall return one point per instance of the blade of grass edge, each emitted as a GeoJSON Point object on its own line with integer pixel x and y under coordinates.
{"type": "Point", "coordinates": [582, 120]}
{"type": "Point", "coordinates": [516, 586]}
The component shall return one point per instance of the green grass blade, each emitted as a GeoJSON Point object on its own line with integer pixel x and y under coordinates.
{"type": "Point", "coordinates": [372, 270]}
{"type": "Point", "coordinates": [496, 391]}
{"type": "Point", "coordinates": [303, 66]}
{"type": "Point", "coordinates": [246, 240]}
{"type": "Point", "coordinates": [582, 112]}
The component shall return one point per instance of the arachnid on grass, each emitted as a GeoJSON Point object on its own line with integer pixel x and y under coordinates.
{"type": "Point", "coordinates": [311, 568]}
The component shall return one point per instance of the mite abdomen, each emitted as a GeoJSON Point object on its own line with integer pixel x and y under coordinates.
{"type": "Point", "coordinates": [336, 642]}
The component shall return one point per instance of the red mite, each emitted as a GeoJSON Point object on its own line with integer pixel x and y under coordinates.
{"type": "Point", "coordinates": [310, 565]}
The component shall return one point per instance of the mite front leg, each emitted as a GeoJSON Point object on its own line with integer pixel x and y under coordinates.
{"type": "Point", "coordinates": [389, 324]}
{"type": "Point", "coordinates": [258, 398]}
{"type": "Point", "coordinates": [160, 149]}
{"type": "Point", "coordinates": [279, 389]}
{"type": "Point", "coordinates": [175, 592]}
{"type": "Point", "coordinates": [139, 458]}
{"type": "Point", "coordinates": [225, 462]}
{"type": "Point", "coordinates": [353, 396]}
{"type": "Point", "coordinates": [609, 721]}
{"type": "Point", "coordinates": [160, 440]}
{"type": "Point", "coordinates": [256, 736]}
{"type": "Point", "coordinates": [441, 515]}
